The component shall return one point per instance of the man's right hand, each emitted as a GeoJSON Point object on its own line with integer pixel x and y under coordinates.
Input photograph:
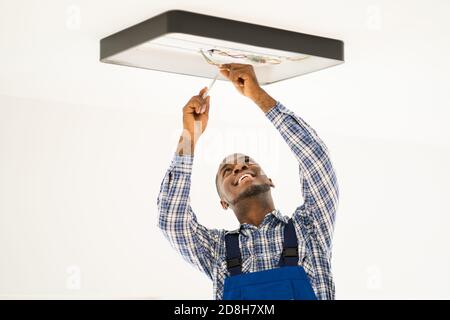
{"type": "Point", "coordinates": [195, 113]}
{"type": "Point", "coordinates": [195, 120]}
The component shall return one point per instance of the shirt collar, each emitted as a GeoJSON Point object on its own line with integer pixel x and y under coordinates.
{"type": "Point", "coordinates": [269, 219]}
{"type": "Point", "coordinates": [277, 214]}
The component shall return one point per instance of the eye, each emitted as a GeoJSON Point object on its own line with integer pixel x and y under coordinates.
{"type": "Point", "coordinates": [226, 170]}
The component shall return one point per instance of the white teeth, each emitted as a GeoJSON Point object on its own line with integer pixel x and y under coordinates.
{"type": "Point", "coordinates": [245, 175]}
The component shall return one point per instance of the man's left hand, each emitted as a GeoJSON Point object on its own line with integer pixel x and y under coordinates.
{"type": "Point", "coordinates": [243, 78]}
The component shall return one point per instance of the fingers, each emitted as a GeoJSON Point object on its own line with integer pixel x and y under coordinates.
{"type": "Point", "coordinates": [206, 107]}
{"type": "Point", "coordinates": [200, 105]}
{"type": "Point", "coordinates": [203, 106]}
{"type": "Point", "coordinates": [225, 73]}
{"type": "Point", "coordinates": [197, 104]}
{"type": "Point", "coordinates": [225, 70]}
{"type": "Point", "coordinates": [202, 91]}
{"type": "Point", "coordinates": [233, 67]}
{"type": "Point", "coordinates": [237, 73]}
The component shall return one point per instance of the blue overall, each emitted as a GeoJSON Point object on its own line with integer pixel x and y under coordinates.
{"type": "Point", "coordinates": [288, 282]}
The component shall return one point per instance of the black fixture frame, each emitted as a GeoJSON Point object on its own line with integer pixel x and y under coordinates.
{"type": "Point", "coordinates": [179, 21]}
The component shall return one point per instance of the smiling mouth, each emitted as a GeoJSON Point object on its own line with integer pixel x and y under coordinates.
{"type": "Point", "coordinates": [244, 177]}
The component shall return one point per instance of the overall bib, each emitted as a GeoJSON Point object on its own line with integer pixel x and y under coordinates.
{"type": "Point", "coordinates": [288, 282]}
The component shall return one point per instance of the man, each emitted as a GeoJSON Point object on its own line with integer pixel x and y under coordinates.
{"type": "Point", "coordinates": [270, 256]}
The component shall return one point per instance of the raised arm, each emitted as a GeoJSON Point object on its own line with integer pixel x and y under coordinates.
{"type": "Point", "coordinates": [317, 176]}
{"type": "Point", "coordinates": [318, 179]}
{"type": "Point", "coordinates": [197, 244]}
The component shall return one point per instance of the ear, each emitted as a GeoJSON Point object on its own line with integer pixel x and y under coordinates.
{"type": "Point", "coordinates": [224, 204]}
{"type": "Point", "coordinates": [271, 183]}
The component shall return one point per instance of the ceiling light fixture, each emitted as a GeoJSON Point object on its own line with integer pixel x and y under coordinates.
{"type": "Point", "coordinates": [195, 44]}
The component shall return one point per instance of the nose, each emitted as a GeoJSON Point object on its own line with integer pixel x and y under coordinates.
{"type": "Point", "coordinates": [239, 167]}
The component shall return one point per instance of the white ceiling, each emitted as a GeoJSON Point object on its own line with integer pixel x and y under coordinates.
{"type": "Point", "coordinates": [396, 71]}
{"type": "Point", "coordinates": [84, 145]}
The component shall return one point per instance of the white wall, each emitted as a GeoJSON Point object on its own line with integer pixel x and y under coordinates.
{"type": "Point", "coordinates": [84, 146]}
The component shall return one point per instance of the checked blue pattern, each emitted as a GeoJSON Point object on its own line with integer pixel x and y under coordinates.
{"type": "Point", "coordinates": [260, 246]}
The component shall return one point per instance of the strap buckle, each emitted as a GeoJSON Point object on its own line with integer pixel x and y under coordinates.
{"type": "Point", "coordinates": [235, 262]}
{"type": "Point", "coordinates": [290, 252]}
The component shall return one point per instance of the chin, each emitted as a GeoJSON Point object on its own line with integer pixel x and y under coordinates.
{"type": "Point", "coordinates": [252, 191]}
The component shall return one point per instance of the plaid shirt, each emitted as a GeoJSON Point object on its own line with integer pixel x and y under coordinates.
{"type": "Point", "coordinates": [260, 246]}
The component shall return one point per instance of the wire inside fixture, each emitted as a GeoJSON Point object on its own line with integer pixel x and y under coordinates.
{"type": "Point", "coordinates": [208, 56]}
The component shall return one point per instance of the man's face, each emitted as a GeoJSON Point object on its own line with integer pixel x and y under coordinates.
{"type": "Point", "coordinates": [239, 177]}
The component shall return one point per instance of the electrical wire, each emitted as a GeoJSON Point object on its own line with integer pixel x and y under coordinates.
{"type": "Point", "coordinates": [249, 57]}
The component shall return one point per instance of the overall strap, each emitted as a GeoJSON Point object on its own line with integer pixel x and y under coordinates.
{"type": "Point", "coordinates": [233, 254]}
{"type": "Point", "coordinates": [289, 256]}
